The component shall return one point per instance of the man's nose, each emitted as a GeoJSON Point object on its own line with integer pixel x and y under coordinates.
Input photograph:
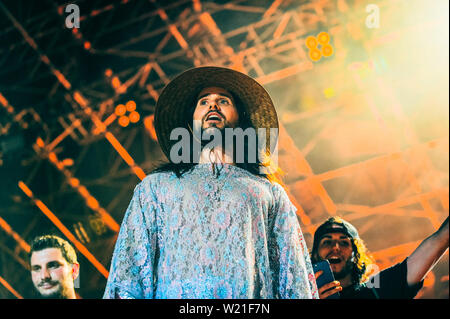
{"type": "Point", "coordinates": [336, 246]}
{"type": "Point", "coordinates": [45, 274]}
{"type": "Point", "coordinates": [213, 106]}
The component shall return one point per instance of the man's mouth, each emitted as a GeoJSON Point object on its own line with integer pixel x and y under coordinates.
{"type": "Point", "coordinates": [334, 260]}
{"type": "Point", "coordinates": [214, 117]}
{"type": "Point", "coordinates": [47, 285]}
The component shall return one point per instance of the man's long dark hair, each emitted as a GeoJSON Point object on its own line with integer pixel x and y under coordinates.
{"type": "Point", "coordinates": [244, 122]}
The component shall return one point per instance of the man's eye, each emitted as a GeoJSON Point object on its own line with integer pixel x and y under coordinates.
{"type": "Point", "coordinates": [203, 102]}
{"type": "Point", "coordinates": [224, 101]}
{"type": "Point", "coordinates": [326, 242]}
{"type": "Point", "coordinates": [345, 244]}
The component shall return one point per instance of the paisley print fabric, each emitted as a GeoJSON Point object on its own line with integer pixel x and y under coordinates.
{"type": "Point", "coordinates": [213, 233]}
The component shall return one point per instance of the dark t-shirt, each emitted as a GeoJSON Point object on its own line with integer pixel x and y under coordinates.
{"type": "Point", "coordinates": [390, 283]}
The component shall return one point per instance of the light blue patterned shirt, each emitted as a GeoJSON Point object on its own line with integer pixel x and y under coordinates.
{"type": "Point", "coordinates": [221, 234]}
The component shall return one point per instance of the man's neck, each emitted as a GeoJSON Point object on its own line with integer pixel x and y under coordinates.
{"type": "Point", "coordinates": [217, 156]}
{"type": "Point", "coordinates": [346, 281]}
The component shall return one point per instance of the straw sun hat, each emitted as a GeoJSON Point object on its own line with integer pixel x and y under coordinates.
{"type": "Point", "coordinates": [179, 96]}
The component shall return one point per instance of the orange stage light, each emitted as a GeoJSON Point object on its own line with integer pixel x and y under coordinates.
{"type": "Point", "coordinates": [120, 110]}
{"type": "Point", "coordinates": [311, 42]}
{"type": "Point", "coordinates": [124, 121]}
{"type": "Point", "coordinates": [315, 54]}
{"type": "Point", "coordinates": [108, 72]}
{"type": "Point", "coordinates": [327, 50]}
{"type": "Point", "coordinates": [323, 38]}
{"type": "Point", "coordinates": [134, 117]}
{"type": "Point", "coordinates": [87, 45]}
{"type": "Point", "coordinates": [131, 106]}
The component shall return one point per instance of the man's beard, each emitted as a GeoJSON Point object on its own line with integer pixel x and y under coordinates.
{"type": "Point", "coordinates": [60, 293]}
{"type": "Point", "coordinates": [348, 268]}
{"type": "Point", "coordinates": [212, 130]}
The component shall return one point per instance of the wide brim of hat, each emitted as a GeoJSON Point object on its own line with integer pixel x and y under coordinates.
{"type": "Point", "coordinates": [180, 94]}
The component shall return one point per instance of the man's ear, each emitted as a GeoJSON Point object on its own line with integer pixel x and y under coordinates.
{"type": "Point", "coordinates": [75, 270]}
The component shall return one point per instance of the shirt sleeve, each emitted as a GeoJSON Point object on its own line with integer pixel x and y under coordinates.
{"type": "Point", "coordinates": [132, 267]}
{"type": "Point", "coordinates": [392, 283]}
{"type": "Point", "coordinates": [292, 270]}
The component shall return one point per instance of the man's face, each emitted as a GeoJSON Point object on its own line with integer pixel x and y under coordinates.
{"type": "Point", "coordinates": [216, 108]}
{"type": "Point", "coordinates": [337, 249]}
{"type": "Point", "coordinates": [51, 274]}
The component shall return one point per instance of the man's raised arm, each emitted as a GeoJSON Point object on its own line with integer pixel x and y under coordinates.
{"type": "Point", "coordinates": [427, 254]}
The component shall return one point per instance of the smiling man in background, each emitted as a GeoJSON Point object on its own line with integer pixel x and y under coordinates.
{"type": "Point", "coordinates": [338, 241]}
{"type": "Point", "coordinates": [54, 267]}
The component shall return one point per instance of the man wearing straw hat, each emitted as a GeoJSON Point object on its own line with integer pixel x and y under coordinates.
{"type": "Point", "coordinates": [213, 222]}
